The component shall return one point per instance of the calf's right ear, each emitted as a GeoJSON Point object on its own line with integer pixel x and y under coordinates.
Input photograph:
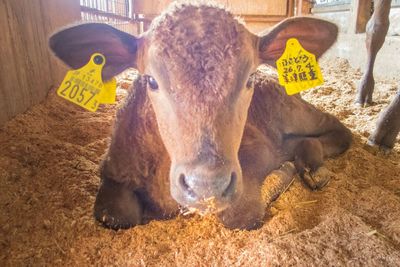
{"type": "Point", "coordinates": [76, 44]}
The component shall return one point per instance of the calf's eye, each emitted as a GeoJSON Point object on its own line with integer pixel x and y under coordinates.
{"type": "Point", "coordinates": [152, 82]}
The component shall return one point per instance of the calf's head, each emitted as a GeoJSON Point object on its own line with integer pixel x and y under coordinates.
{"type": "Point", "coordinates": [198, 59]}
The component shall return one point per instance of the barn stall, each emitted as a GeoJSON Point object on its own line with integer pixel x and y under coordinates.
{"type": "Point", "coordinates": [51, 150]}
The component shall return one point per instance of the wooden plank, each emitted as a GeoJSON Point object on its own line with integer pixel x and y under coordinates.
{"type": "Point", "coordinates": [258, 7]}
{"type": "Point", "coordinates": [29, 71]}
{"type": "Point", "coordinates": [52, 20]}
{"type": "Point", "coordinates": [258, 24]}
{"type": "Point", "coordinates": [290, 8]}
{"type": "Point", "coordinates": [150, 7]}
{"type": "Point", "coordinates": [360, 14]}
{"type": "Point", "coordinates": [258, 14]}
{"type": "Point", "coordinates": [258, 18]}
{"type": "Point", "coordinates": [8, 72]}
{"type": "Point", "coordinates": [239, 7]}
{"type": "Point", "coordinates": [32, 61]}
{"type": "Point", "coordinates": [303, 7]}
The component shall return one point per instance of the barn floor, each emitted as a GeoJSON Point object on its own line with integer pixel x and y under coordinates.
{"type": "Point", "coordinates": [49, 176]}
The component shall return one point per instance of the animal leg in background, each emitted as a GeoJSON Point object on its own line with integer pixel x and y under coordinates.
{"type": "Point", "coordinates": [388, 125]}
{"type": "Point", "coordinates": [376, 31]}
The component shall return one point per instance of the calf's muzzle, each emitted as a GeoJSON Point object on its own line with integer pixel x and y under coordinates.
{"type": "Point", "coordinates": [206, 187]}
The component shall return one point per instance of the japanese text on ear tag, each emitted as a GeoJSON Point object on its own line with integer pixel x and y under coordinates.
{"type": "Point", "coordinates": [298, 69]}
{"type": "Point", "coordinates": [85, 86]}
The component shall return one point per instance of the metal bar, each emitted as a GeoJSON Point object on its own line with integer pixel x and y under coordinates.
{"type": "Point", "coordinates": [114, 12]}
{"type": "Point", "coordinates": [106, 14]}
{"type": "Point", "coordinates": [325, 3]}
{"type": "Point", "coordinates": [330, 8]}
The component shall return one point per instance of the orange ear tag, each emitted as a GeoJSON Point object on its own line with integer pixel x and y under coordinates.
{"type": "Point", "coordinates": [298, 69]}
{"type": "Point", "coordinates": [85, 86]}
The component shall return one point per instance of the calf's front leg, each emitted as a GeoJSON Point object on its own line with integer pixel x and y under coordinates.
{"type": "Point", "coordinates": [300, 131]}
{"type": "Point", "coordinates": [117, 206]}
{"type": "Point", "coordinates": [330, 138]}
{"type": "Point", "coordinates": [388, 125]}
{"type": "Point", "coordinates": [248, 212]}
{"type": "Point", "coordinates": [131, 165]}
{"type": "Point", "coordinates": [264, 179]}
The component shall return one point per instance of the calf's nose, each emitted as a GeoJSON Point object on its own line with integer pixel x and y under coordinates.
{"type": "Point", "coordinates": [198, 187]}
{"type": "Point", "coordinates": [200, 183]}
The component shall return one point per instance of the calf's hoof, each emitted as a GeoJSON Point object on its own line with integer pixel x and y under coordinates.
{"type": "Point", "coordinates": [365, 91]}
{"type": "Point", "coordinates": [308, 159]}
{"type": "Point", "coordinates": [361, 103]}
{"type": "Point", "coordinates": [277, 182]}
{"type": "Point", "coordinates": [375, 145]}
{"type": "Point", "coordinates": [116, 206]}
{"type": "Point", "coordinates": [318, 179]}
{"type": "Point", "coordinates": [246, 216]}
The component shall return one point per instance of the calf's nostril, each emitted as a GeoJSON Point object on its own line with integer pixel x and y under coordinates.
{"type": "Point", "coordinates": [185, 186]}
{"type": "Point", "coordinates": [231, 186]}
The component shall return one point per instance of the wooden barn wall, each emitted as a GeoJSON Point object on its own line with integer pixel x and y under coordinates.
{"type": "Point", "coordinates": [258, 14]}
{"type": "Point", "coordinates": [27, 68]}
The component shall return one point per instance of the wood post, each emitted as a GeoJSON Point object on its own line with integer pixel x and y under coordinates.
{"type": "Point", "coordinates": [290, 8]}
{"type": "Point", "coordinates": [304, 7]}
{"type": "Point", "coordinates": [29, 69]}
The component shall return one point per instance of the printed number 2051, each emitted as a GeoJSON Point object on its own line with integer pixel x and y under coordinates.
{"type": "Point", "coordinates": [77, 93]}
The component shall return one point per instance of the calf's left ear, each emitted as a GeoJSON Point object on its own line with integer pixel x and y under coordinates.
{"type": "Point", "coordinates": [76, 44]}
{"type": "Point", "coordinates": [315, 35]}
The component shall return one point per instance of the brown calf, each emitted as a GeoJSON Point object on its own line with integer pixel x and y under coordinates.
{"type": "Point", "coordinates": [202, 128]}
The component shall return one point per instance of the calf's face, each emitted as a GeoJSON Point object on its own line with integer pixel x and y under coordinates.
{"type": "Point", "coordinates": [198, 60]}
{"type": "Point", "coordinates": [202, 65]}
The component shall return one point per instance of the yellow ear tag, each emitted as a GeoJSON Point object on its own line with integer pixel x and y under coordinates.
{"type": "Point", "coordinates": [298, 69]}
{"type": "Point", "coordinates": [109, 92]}
{"type": "Point", "coordinates": [85, 87]}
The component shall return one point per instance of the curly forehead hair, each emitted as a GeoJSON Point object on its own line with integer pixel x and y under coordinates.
{"type": "Point", "coordinates": [199, 43]}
